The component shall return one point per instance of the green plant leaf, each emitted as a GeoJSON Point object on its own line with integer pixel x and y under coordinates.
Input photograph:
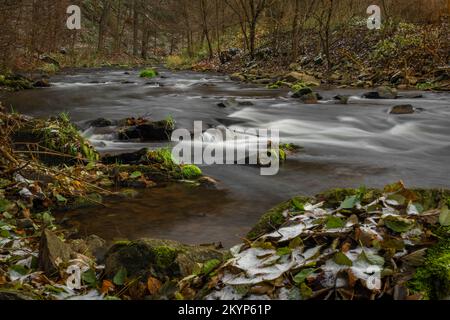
{"type": "Point", "coordinates": [303, 275]}
{"type": "Point", "coordinates": [350, 202]}
{"type": "Point", "coordinates": [210, 266]}
{"type": "Point", "coordinates": [90, 166]}
{"type": "Point", "coordinates": [19, 269]}
{"type": "Point", "coordinates": [136, 174]}
{"type": "Point", "coordinates": [341, 259]}
{"type": "Point", "coordinates": [7, 215]}
{"type": "Point", "coordinates": [4, 205]}
{"type": "Point", "coordinates": [5, 234]}
{"type": "Point", "coordinates": [47, 218]}
{"type": "Point", "coordinates": [444, 218]}
{"type": "Point", "coordinates": [89, 277]}
{"type": "Point", "coordinates": [398, 224]}
{"type": "Point", "coordinates": [284, 251]}
{"type": "Point", "coordinates": [334, 223]}
{"type": "Point", "coordinates": [371, 258]}
{"type": "Point", "coordinates": [60, 198]}
{"type": "Point", "coordinates": [120, 277]}
{"type": "Point", "coordinates": [300, 206]}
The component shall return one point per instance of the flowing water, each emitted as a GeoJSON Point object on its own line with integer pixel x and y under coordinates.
{"type": "Point", "coordinates": [345, 146]}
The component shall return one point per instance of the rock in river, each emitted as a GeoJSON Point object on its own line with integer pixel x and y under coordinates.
{"type": "Point", "coordinates": [152, 131]}
{"type": "Point", "coordinates": [402, 109]}
{"type": "Point", "coordinates": [382, 93]}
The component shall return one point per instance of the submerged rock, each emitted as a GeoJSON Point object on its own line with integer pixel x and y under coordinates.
{"type": "Point", "coordinates": [208, 183]}
{"type": "Point", "coordinates": [228, 103]}
{"type": "Point", "coordinates": [402, 109]}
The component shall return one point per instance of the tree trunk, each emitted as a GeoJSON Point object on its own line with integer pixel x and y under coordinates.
{"type": "Point", "coordinates": [135, 27]}
{"type": "Point", "coordinates": [103, 25]}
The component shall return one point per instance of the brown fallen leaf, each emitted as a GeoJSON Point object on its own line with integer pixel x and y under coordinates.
{"type": "Point", "coordinates": [352, 279]}
{"type": "Point", "coordinates": [2, 280]}
{"type": "Point", "coordinates": [153, 285]}
{"type": "Point", "coordinates": [107, 287]}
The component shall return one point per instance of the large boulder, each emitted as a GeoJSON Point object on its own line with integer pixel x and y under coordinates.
{"type": "Point", "coordinates": [294, 77]}
{"type": "Point", "coordinates": [163, 259]}
{"type": "Point", "coordinates": [152, 131]}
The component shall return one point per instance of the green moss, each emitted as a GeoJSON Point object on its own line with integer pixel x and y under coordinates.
{"type": "Point", "coordinates": [164, 256]}
{"type": "Point", "coordinates": [290, 147]}
{"type": "Point", "coordinates": [161, 156]}
{"type": "Point", "coordinates": [277, 85]}
{"type": "Point", "coordinates": [273, 219]}
{"type": "Point", "coordinates": [190, 172]}
{"type": "Point", "coordinates": [433, 279]}
{"type": "Point", "coordinates": [49, 68]}
{"type": "Point", "coordinates": [148, 73]}
{"type": "Point", "coordinates": [299, 86]}
{"type": "Point", "coordinates": [15, 83]}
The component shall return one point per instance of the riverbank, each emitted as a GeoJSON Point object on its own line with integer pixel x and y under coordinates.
{"type": "Point", "coordinates": [400, 55]}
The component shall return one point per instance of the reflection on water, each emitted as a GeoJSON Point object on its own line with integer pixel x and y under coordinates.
{"type": "Point", "coordinates": [176, 211]}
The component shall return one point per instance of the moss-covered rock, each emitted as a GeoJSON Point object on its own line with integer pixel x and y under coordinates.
{"type": "Point", "coordinates": [428, 198]}
{"type": "Point", "coordinates": [433, 279]}
{"type": "Point", "coordinates": [190, 172]}
{"type": "Point", "coordinates": [274, 218]}
{"type": "Point", "coordinates": [149, 73]}
{"type": "Point", "coordinates": [15, 82]}
{"type": "Point", "coordinates": [151, 131]}
{"type": "Point", "coordinates": [158, 258]}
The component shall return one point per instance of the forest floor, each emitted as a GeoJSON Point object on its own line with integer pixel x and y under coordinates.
{"type": "Point", "coordinates": [405, 56]}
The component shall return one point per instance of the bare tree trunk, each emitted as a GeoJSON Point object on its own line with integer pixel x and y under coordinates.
{"type": "Point", "coordinates": [135, 27]}
{"type": "Point", "coordinates": [103, 25]}
{"type": "Point", "coordinates": [205, 28]}
{"type": "Point", "coordinates": [294, 45]}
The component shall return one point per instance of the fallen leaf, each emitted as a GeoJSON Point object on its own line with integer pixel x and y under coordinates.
{"type": "Point", "coordinates": [444, 218]}
{"type": "Point", "coordinates": [153, 285]}
{"type": "Point", "coordinates": [398, 224]}
{"type": "Point", "coordinates": [120, 277]}
{"type": "Point", "coordinates": [107, 287]}
{"type": "Point", "coordinates": [341, 259]}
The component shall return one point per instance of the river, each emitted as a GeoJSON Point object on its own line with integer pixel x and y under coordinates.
{"type": "Point", "coordinates": [344, 146]}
